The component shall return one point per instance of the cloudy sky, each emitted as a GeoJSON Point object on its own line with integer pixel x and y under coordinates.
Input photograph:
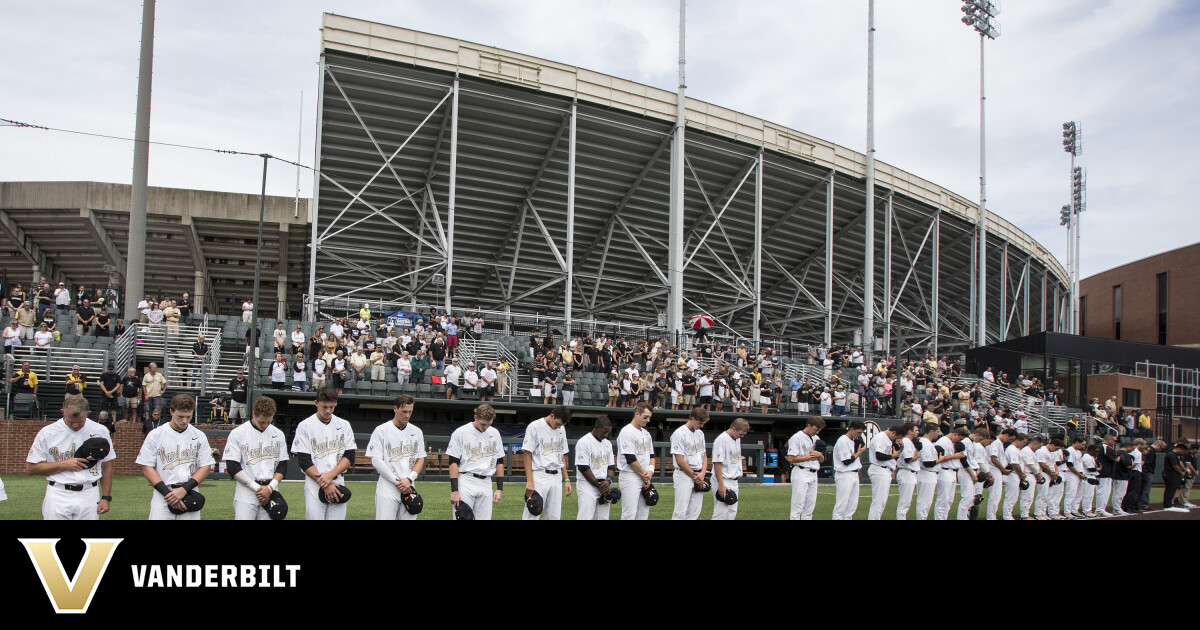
{"type": "Point", "coordinates": [230, 75]}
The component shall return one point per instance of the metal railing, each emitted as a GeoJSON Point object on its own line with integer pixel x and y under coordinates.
{"type": "Point", "coordinates": [472, 352]}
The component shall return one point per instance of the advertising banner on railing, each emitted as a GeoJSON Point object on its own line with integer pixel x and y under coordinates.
{"type": "Point", "coordinates": [402, 319]}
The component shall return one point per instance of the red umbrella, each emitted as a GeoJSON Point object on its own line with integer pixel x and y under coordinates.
{"type": "Point", "coordinates": [701, 321]}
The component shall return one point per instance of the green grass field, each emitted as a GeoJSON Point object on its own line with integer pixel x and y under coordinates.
{"type": "Point", "coordinates": [131, 501]}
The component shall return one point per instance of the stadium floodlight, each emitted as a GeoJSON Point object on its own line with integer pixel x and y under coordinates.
{"type": "Point", "coordinates": [1064, 215]}
{"type": "Point", "coordinates": [981, 15]}
{"type": "Point", "coordinates": [1077, 188]}
{"type": "Point", "coordinates": [1073, 138]}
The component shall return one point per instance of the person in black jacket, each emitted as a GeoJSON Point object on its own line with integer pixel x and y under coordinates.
{"type": "Point", "coordinates": [1122, 473]}
{"type": "Point", "coordinates": [1149, 465]}
{"type": "Point", "coordinates": [1174, 470]}
{"type": "Point", "coordinates": [1109, 456]}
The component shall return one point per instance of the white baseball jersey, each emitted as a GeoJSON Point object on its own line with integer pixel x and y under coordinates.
{"type": "Point", "coordinates": [801, 444]}
{"type": "Point", "coordinates": [948, 449]}
{"type": "Point", "coordinates": [981, 458]}
{"type": "Point", "coordinates": [1090, 470]}
{"type": "Point", "coordinates": [546, 446]}
{"type": "Point", "coordinates": [324, 442]}
{"type": "Point", "coordinates": [595, 454]}
{"type": "Point", "coordinates": [907, 452]}
{"type": "Point", "coordinates": [398, 448]}
{"type": "Point", "coordinates": [881, 444]}
{"type": "Point", "coordinates": [476, 452]}
{"type": "Point", "coordinates": [843, 450]}
{"type": "Point", "coordinates": [1075, 459]}
{"type": "Point", "coordinates": [57, 442]}
{"type": "Point", "coordinates": [258, 452]}
{"type": "Point", "coordinates": [637, 442]}
{"type": "Point", "coordinates": [1044, 456]}
{"type": "Point", "coordinates": [176, 456]}
{"type": "Point", "coordinates": [997, 449]}
{"type": "Point", "coordinates": [928, 454]}
{"type": "Point", "coordinates": [1013, 456]}
{"type": "Point", "coordinates": [728, 452]}
{"type": "Point", "coordinates": [1029, 460]}
{"type": "Point", "coordinates": [690, 444]}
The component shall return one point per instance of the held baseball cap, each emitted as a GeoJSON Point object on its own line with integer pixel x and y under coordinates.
{"type": "Point", "coordinates": [413, 502]}
{"type": "Point", "coordinates": [277, 507]}
{"type": "Point", "coordinates": [534, 504]}
{"type": "Point", "coordinates": [614, 495]}
{"type": "Point", "coordinates": [703, 486]}
{"type": "Point", "coordinates": [650, 496]}
{"type": "Point", "coordinates": [192, 502]}
{"type": "Point", "coordinates": [93, 450]}
{"type": "Point", "coordinates": [730, 497]}
{"type": "Point", "coordinates": [343, 489]}
{"type": "Point", "coordinates": [464, 512]}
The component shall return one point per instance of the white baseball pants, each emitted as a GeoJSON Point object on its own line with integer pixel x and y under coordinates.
{"type": "Point", "coordinates": [881, 484]}
{"type": "Point", "coordinates": [1055, 497]}
{"type": "Point", "coordinates": [1028, 495]}
{"type": "Point", "coordinates": [907, 481]}
{"type": "Point", "coordinates": [477, 494]}
{"type": "Point", "coordinates": [804, 493]}
{"type": "Point", "coordinates": [1103, 492]}
{"type": "Point", "coordinates": [926, 488]}
{"type": "Point", "coordinates": [589, 502]}
{"type": "Point", "coordinates": [633, 507]}
{"type": "Point", "coordinates": [1012, 493]}
{"type": "Point", "coordinates": [846, 504]}
{"type": "Point", "coordinates": [996, 494]}
{"type": "Point", "coordinates": [1071, 493]}
{"type": "Point", "coordinates": [687, 501]}
{"type": "Point", "coordinates": [550, 486]}
{"type": "Point", "coordinates": [1120, 487]}
{"type": "Point", "coordinates": [314, 510]}
{"type": "Point", "coordinates": [1087, 492]}
{"type": "Point", "coordinates": [246, 511]}
{"type": "Point", "coordinates": [966, 489]}
{"type": "Point", "coordinates": [721, 510]}
{"type": "Point", "coordinates": [1042, 502]}
{"type": "Point", "coordinates": [61, 504]}
{"type": "Point", "coordinates": [946, 481]}
{"type": "Point", "coordinates": [389, 503]}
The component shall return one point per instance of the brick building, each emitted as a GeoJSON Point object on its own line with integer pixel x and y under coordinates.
{"type": "Point", "coordinates": [1153, 300]}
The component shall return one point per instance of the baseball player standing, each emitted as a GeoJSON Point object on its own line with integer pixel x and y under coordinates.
{"type": "Point", "coordinates": [175, 458]}
{"type": "Point", "coordinates": [927, 478]}
{"type": "Point", "coordinates": [805, 460]}
{"type": "Point", "coordinates": [545, 454]}
{"type": "Point", "coordinates": [71, 493]}
{"type": "Point", "coordinates": [1055, 494]}
{"type": "Point", "coordinates": [476, 454]}
{"type": "Point", "coordinates": [1074, 478]}
{"type": "Point", "coordinates": [1013, 457]}
{"type": "Point", "coordinates": [324, 447]}
{"type": "Point", "coordinates": [1091, 473]}
{"type": "Point", "coordinates": [997, 461]}
{"type": "Point", "coordinates": [397, 452]}
{"type": "Point", "coordinates": [969, 474]}
{"type": "Point", "coordinates": [1032, 469]}
{"type": "Point", "coordinates": [882, 456]}
{"type": "Point", "coordinates": [594, 464]}
{"type": "Point", "coordinates": [907, 468]}
{"type": "Point", "coordinates": [691, 462]}
{"type": "Point", "coordinates": [257, 457]}
{"type": "Point", "coordinates": [635, 461]}
{"type": "Point", "coordinates": [727, 467]}
{"type": "Point", "coordinates": [1108, 461]}
{"type": "Point", "coordinates": [950, 458]}
{"type": "Point", "coordinates": [846, 464]}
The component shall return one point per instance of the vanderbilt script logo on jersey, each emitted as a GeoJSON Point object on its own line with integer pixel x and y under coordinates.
{"type": "Point", "coordinates": [59, 456]}
{"type": "Point", "coordinates": [397, 453]}
{"type": "Point", "coordinates": [72, 596]}
{"type": "Point", "coordinates": [179, 457]}
{"type": "Point", "coordinates": [642, 446]}
{"type": "Point", "coordinates": [484, 451]}
{"type": "Point", "coordinates": [260, 453]}
{"type": "Point", "coordinates": [324, 449]}
{"type": "Point", "coordinates": [601, 461]}
{"type": "Point", "coordinates": [553, 446]}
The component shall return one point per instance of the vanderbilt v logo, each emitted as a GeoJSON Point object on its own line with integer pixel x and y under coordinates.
{"type": "Point", "coordinates": [75, 596]}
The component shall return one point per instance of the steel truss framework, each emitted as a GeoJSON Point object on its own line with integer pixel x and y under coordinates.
{"type": "Point", "coordinates": [531, 202]}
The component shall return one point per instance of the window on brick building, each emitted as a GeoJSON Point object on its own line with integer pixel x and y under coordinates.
{"type": "Point", "coordinates": [1117, 312]}
{"type": "Point", "coordinates": [1162, 309]}
{"type": "Point", "coordinates": [1131, 398]}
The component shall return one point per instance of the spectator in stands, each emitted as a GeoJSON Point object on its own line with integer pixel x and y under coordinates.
{"type": "Point", "coordinates": [199, 351]}
{"type": "Point", "coordinates": [185, 307]}
{"type": "Point", "coordinates": [452, 337]}
{"type": "Point", "coordinates": [247, 310]}
{"type": "Point", "coordinates": [338, 371]}
{"type": "Point", "coordinates": [110, 389]}
{"type": "Point", "coordinates": [487, 378]}
{"type": "Point", "coordinates": [103, 321]}
{"type": "Point", "coordinates": [43, 337]}
{"type": "Point", "coordinates": [26, 316]}
{"type": "Point", "coordinates": [62, 299]}
{"type": "Point", "coordinates": [12, 335]}
{"type": "Point", "coordinates": [437, 353]}
{"type": "Point", "coordinates": [420, 363]}
{"type": "Point", "coordinates": [839, 401]}
{"type": "Point", "coordinates": [358, 364]}
{"type": "Point", "coordinates": [84, 318]}
{"type": "Point", "coordinates": [477, 327]}
{"type": "Point", "coordinates": [171, 315]}
{"type": "Point", "coordinates": [131, 395]}
{"type": "Point", "coordinates": [216, 410]}
{"type": "Point", "coordinates": [378, 365]}
{"type": "Point", "coordinates": [320, 372]}
{"type": "Point", "coordinates": [453, 379]}
{"type": "Point", "coordinates": [154, 384]}
{"type": "Point", "coordinates": [364, 313]}
{"type": "Point", "coordinates": [280, 336]}
{"type": "Point", "coordinates": [278, 372]}
{"type": "Point", "coordinates": [15, 299]}
{"type": "Point", "coordinates": [24, 381]}
{"type": "Point", "coordinates": [118, 329]}
{"type": "Point", "coordinates": [403, 367]}
{"type": "Point", "coordinates": [1130, 424]}
{"type": "Point", "coordinates": [75, 383]}
{"type": "Point", "coordinates": [471, 379]}
{"type": "Point", "coordinates": [550, 382]}
{"type": "Point", "coordinates": [155, 316]}
{"type": "Point", "coordinates": [297, 340]}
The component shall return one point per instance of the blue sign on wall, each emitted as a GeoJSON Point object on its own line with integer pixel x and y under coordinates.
{"type": "Point", "coordinates": [401, 319]}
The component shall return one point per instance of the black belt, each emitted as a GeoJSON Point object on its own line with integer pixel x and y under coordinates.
{"type": "Point", "coordinates": [478, 476]}
{"type": "Point", "coordinates": [550, 472]}
{"type": "Point", "coordinates": [74, 487]}
{"type": "Point", "coordinates": [947, 468]}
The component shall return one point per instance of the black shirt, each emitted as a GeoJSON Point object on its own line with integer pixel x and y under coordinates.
{"type": "Point", "coordinates": [438, 352]}
{"type": "Point", "coordinates": [109, 380]}
{"type": "Point", "coordinates": [689, 385]}
{"type": "Point", "coordinates": [238, 389]}
{"type": "Point", "coordinates": [130, 385]}
{"type": "Point", "coordinates": [45, 298]}
{"type": "Point", "coordinates": [185, 308]}
{"type": "Point", "coordinates": [85, 315]}
{"type": "Point", "coordinates": [199, 348]}
{"type": "Point", "coordinates": [103, 320]}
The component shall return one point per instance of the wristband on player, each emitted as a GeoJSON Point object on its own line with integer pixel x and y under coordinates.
{"type": "Point", "coordinates": [162, 488]}
{"type": "Point", "coordinates": [274, 485]}
{"type": "Point", "coordinates": [106, 498]}
{"type": "Point", "coordinates": [412, 475]}
{"type": "Point", "coordinates": [190, 485]}
{"type": "Point", "coordinates": [499, 483]}
{"type": "Point", "coordinates": [454, 484]}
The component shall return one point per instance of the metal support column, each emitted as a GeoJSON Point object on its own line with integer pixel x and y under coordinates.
{"type": "Point", "coordinates": [758, 246]}
{"type": "Point", "coordinates": [135, 259]}
{"type": "Point", "coordinates": [983, 207]}
{"type": "Point", "coordinates": [937, 263]}
{"type": "Point", "coordinates": [1003, 310]}
{"type": "Point", "coordinates": [829, 261]}
{"type": "Point", "coordinates": [1028, 275]}
{"type": "Point", "coordinates": [868, 328]}
{"type": "Point", "coordinates": [315, 241]}
{"type": "Point", "coordinates": [887, 278]}
{"type": "Point", "coordinates": [675, 229]}
{"type": "Point", "coordinates": [1043, 326]}
{"type": "Point", "coordinates": [450, 205]}
{"type": "Point", "coordinates": [569, 287]}
{"type": "Point", "coordinates": [974, 286]}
